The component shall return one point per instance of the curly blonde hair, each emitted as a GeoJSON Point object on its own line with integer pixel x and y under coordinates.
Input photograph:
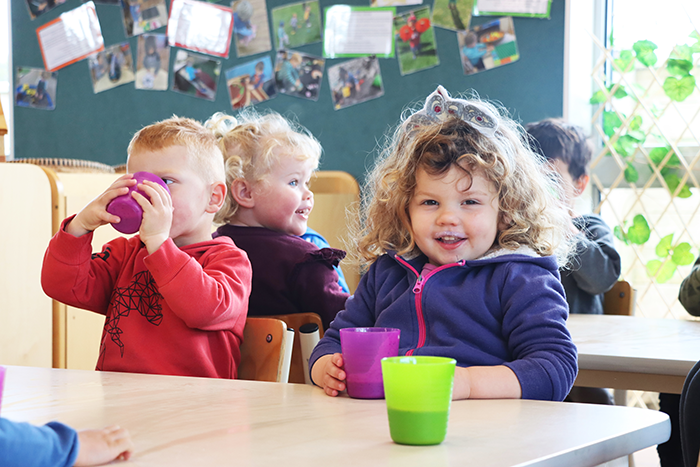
{"type": "Point", "coordinates": [527, 195]}
{"type": "Point", "coordinates": [248, 143]}
{"type": "Point", "coordinates": [180, 131]}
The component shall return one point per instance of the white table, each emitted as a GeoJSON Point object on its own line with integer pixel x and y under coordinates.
{"type": "Point", "coordinates": [629, 352]}
{"type": "Point", "coordinates": [177, 421]}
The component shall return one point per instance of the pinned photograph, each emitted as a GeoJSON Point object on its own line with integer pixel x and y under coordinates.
{"type": "Point", "coordinates": [36, 88]}
{"type": "Point", "coordinates": [196, 75]}
{"type": "Point", "coordinates": [415, 41]}
{"type": "Point", "coordinates": [298, 74]}
{"type": "Point", "coordinates": [111, 67]}
{"type": "Point", "coordinates": [251, 83]}
{"type": "Point", "coordinates": [296, 25]}
{"type": "Point", "coordinates": [355, 81]}
{"type": "Point", "coordinates": [250, 28]}
{"type": "Point", "coordinates": [454, 15]}
{"type": "Point", "coordinates": [39, 7]}
{"type": "Point", "coordinates": [379, 3]}
{"type": "Point", "coordinates": [142, 16]}
{"type": "Point", "coordinates": [153, 58]}
{"type": "Point", "coordinates": [488, 46]}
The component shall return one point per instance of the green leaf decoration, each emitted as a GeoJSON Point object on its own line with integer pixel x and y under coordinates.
{"type": "Point", "coordinates": [695, 47]}
{"type": "Point", "coordinates": [639, 232]}
{"type": "Point", "coordinates": [626, 145]}
{"type": "Point", "coordinates": [620, 92]}
{"type": "Point", "coordinates": [682, 255]}
{"type": "Point", "coordinates": [597, 97]}
{"type": "Point", "coordinates": [657, 155]}
{"type": "Point", "coordinates": [664, 246]}
{"type": "Point", "coordinates": [678, 67]}
{"type": "Point", "coordinates": [637, 135]}
{"type": "Point", "coordinates": [620, 234]}
{"type": "Point", "coordinates": [673, 180]}
{"type": "Point", "coordinates": [645, 52]}
{"type": "Point", "coordinates": [626, 61]}
{"type": "Point", "coordinates": [610, 122]}
{"type": "Point", "coordinates": [631, 174]}
{"type": "Point", "coordinates": [679, 89]}
{"type": "Point", "coordinates": [636, 122]}
{"type": "Point", "coordinates": [683, 52]}
{"type": "Point", "coordinates": [694, 35]}
{"type": "Point", "coordinates": [666, 271]}
{"type": "Point", "coordinates": [653, 267]}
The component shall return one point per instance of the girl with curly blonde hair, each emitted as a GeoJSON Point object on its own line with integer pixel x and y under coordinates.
{"type": "Point", "coordinates": [269, 164]}
{"type": "Point", "coordinates": [462, 228]}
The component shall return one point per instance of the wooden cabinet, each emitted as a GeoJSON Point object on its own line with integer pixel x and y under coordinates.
{"type": "Point", "coordinates": [25, 230]}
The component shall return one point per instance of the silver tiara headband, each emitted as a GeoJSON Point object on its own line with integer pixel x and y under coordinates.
{"type": "Point", "coordinates": [439, 106]}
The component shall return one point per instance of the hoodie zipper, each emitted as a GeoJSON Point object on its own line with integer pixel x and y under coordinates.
{"type": "Point", "coordinates": [418, 291]}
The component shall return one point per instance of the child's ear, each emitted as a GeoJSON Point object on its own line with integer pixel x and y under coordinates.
{"type": "Point", "coordinates": [217, 197]}
{"type": "Point", "coordinates": [504, 221]}
{"type": "Point", "coordinates": [581, 183]}
{"type": "Point", "coordinates": [242, 192]}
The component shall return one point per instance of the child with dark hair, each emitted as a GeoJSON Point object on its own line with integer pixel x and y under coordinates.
{"type": "Point", "coordinates": [595, 265]}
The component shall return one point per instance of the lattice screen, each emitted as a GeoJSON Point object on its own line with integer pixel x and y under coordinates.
{"type": "Point", "coordinates": [647, 120]}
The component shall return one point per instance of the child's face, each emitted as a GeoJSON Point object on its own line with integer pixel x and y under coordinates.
{"type": "Point", "coordinates": [450, 224]}
{"type": "Point", "coordinates": [572, 188]}
{"type": "Point", "coordinates": [283, 200]}
{"type": "Point", "coordinates": [192, 216]}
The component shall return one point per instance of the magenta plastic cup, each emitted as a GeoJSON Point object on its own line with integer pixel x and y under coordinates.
{"type": "Point", "coordinates": [363, 350]}
{"type": "Point", "coordinates": [2, 382]}
{"type": "Point", "coordinates": [126, 207]}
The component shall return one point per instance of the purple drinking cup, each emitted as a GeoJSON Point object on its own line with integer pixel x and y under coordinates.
{"type": "Point", "coordinates": [363, 350]}
{"type": "Point", "coordinates": [126, 207]}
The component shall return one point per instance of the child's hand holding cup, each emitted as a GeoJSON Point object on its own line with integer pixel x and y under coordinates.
{"type": "Point", "coordinates": [128, 209]}
{"type": "Point", "coordinates": [363, 350]}
{"type": "Point", "coordinates": [418, 393]}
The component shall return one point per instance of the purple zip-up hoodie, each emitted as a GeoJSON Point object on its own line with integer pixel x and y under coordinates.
{"type": "Point", "coordinates": [507, 308]}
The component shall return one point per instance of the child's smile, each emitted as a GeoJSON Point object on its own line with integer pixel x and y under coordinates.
{"type": "Point", "coordinates": [451, 220]}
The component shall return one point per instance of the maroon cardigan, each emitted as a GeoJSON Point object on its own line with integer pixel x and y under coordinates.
{"type": "Point", "coordinates": [290, 275]}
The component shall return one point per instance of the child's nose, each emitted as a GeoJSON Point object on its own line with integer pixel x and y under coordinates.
{"type": "Point", "coordinates": [308, 194]}
{"type": "Point", "coordinates": [447, 216]}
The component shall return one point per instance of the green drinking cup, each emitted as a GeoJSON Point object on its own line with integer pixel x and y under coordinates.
{"type": "Point", "coordinates": [418, 393]}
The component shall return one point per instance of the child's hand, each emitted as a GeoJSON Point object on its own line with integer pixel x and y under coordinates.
{"type": "Point", "coordinates": [157, 214]}
{"type": "Point", "coordinates": [328, 373]}
{"type": "Point", "coordinates": [101, 446]}
{"type": "Point", "coordinates": [95, 213]}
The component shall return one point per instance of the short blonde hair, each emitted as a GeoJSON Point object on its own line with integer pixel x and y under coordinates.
{"type": "Point", "coordinates": [248, 143]}
{"type": "Point", "coordinates": [527, 196]}
{"type": "Point", "coordinates": [179, 131]}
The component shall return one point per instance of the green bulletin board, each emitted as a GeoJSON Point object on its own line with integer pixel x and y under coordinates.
{"type": "Point", "coordinates": [99, 126]}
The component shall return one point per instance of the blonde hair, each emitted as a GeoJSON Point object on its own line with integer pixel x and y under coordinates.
{"type": "Point", "coordinates": [248, 143]}
{"type": "Point", "coordinates": [527, 195]}
{"type": "Point", "coordinates": [179, 131]}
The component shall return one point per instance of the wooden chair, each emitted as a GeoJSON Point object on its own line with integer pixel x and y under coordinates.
{"type": "Point", "coordinates": [619, 300]}
{"type": "Point", "coordinates": [264, 351]}
{"type": "Point", "coordinates": [335, 192]}
{"type": "Point", "coordinates": [295, 321]}
{"type": "Point", "coordinates": [690, 418]}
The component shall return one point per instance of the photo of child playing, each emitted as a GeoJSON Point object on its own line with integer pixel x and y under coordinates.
{"type": "Point", "coordinates": [152, 62]}
{"type": "Point", "coordinates": [488, 46]}
{"type": "Point", "coordinates": [298, 74]}
{"type": "Point", "coordinates": [251, 83]}
{"type": "Point", "coordinates": [250, 27]}
{"type": "Point", "coordinates": [111, 67]}
{"type": "Point", "coordinates": [196, 75]}
{"type": "Point", "coordinates": [454, 15]}
{"type": "Point", "coordinates": [292, 32]}
{"type": "Point", "coordinates": [36, 88]}
{"type": "Point", "coordinates": [415, 41]}
{"type": "Point", "coordinates": [355, 81]}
